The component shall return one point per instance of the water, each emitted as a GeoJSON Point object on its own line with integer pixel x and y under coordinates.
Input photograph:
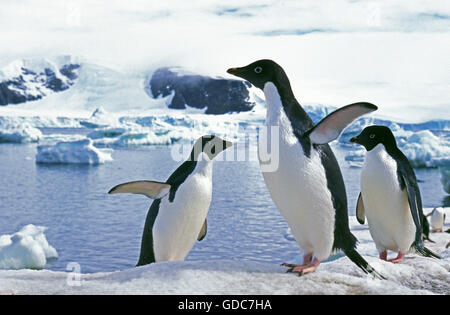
{"type": "Point", "coordinates": [102, 232]}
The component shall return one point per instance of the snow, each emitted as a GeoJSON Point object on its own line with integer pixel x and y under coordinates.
{"type": "Point", "coordinates": [17, 132]}
{"type": "Point", "coordinates": [74, 152]}
{"type": "Point", "coordinates": [415, 275]}
{"type": "Point", "coordinates": [27, 248]}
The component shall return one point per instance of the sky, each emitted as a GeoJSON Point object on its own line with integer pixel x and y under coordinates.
{"type": "Point", "coordinates": [391, 53]}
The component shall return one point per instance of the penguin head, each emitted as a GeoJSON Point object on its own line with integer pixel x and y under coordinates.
{"type": "Point", "coordinates": [260, 72]}
{"type": "Point", "coordinates": [371, 136]}
{"type": "Point", "coordinates": [209, 145]}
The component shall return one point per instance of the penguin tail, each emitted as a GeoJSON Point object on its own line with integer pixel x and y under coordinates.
{"type": "Point", "coordinates": [358, 260]}
{"type": "Point", "coordinates": [422, 250]}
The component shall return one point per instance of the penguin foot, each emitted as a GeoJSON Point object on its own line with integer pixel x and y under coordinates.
{"type": "Point", "coordinates": [306, 260]}
{"type": "Point", "coordinates": [309, 268]}
{"type": "Point", "coordinates": [398, 259]}
{"type": "Point", "coordinates": [383, 255]}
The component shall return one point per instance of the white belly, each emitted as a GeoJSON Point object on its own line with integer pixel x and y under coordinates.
{"type": "Point", "coordinates": [387, 209]}
{"type": "Point", "coordinates": [178, 223]}
{"type": "Point", "coordinates": [299, 189]}
{"type": "Point", "coordinates": [437, 220]}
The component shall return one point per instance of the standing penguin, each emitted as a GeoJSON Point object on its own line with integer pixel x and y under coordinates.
{"type": "Point", "coordinates": [390, 196]}
{"type": "Point", "coordinates": [437, 220]}
{"type": "Point", "coordinates": [307, 187]}
{"type": "Point", "coordinates": [177, 217]}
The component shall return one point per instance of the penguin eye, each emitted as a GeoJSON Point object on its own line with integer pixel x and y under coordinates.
{"type": "Point", "coordinates": [258, 69]}
{"type": "Point", "coordinates": [372, 136]}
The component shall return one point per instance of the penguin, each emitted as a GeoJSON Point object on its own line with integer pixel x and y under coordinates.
{"type": "Point", "coordinates": [437, 220]}
{"type": "Point", "coordinates": [307, 186]}
{"type": "Point", "coordinates": [177, 216]}
{"type": "Point", "coordinates": [390, 196]}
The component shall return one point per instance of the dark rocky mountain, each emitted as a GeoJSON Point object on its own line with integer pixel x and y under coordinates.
{"type": "Point", "coordinates": [217, 95]}
{"type": "Point", "coordinates": [28, 85]}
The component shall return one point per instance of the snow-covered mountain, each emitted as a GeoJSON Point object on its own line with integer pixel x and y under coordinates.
{"type": "Point", "coordinates": [216, 95]}
{"type": "Point", "coordinates": [29, 80]}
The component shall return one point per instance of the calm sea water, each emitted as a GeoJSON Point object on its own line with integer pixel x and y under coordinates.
{"type": "Point", "coordinates": [102, 232]}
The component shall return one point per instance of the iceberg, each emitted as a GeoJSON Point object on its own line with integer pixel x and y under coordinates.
{"type": "Point", "coordinates": [423, 148]}
{"type": "Point", "coordinates": [74, 152]}
{"type": "Point", "coordinates": [445, 177]}
{"type": "Point", "coordinates": [13, 131]}
{"type": "Point", "coordinates": [26, 249]}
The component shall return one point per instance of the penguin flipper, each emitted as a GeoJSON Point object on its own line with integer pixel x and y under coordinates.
{"type": "Point", "coordinates": [203, 231]}
{"type": "Point", "coordinates": [360, 210]}
{"type": "Point", "coordinates": [151, 189]}
{"type": "Point", "coordinates": [329, 128]}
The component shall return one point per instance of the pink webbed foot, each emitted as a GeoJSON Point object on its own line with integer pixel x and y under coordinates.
{"type": "Point", "coordinates": [398, 259]}
{"type": "Point", "coordinates": [383, 255]}
{"type": "Point", "coordinates": [309, 268]}
{"type": "Point", "coordinates": [306, 261]}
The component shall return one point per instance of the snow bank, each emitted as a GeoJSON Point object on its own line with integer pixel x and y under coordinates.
{"type": "Point", "coordinates": [17, 132]}
{"type": "Point", "coordinates": [27, 248]}
{"type": "Point", "coordinates": [76, 152]}
{"type": "Point", "coordinates": [415, 275]}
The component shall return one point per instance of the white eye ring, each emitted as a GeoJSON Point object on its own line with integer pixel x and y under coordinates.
{"type": "Point", "coordinates": [258, 69]}
{"type": "Point", "coordinates": [372, 136]}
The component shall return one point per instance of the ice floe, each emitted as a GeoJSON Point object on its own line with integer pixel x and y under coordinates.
{"type": "Point", "coordinates": [26, 249]}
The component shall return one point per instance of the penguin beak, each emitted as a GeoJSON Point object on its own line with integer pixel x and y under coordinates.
{"type": "Point", "coordinates": [228, 144]}
{"type": "Point", "coordinates": [235, 71]}
{"type": "Point", "coordinates": [354, 139]}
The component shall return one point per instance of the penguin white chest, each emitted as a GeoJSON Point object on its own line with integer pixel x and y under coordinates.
{"type": "Point", "coordinates": [387, 209]}
{"type": "Point", "coordinates": [437, 220]}
{"type": "Point", "coordinates": [298, 186]}
{"type": "Point", "coordinates": [178, 223]}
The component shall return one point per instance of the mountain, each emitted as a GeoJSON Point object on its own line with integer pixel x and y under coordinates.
{"type": "Point", "coordinates": [28, 80]}
{"type": "Point", "coordinates": [217, 95]}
